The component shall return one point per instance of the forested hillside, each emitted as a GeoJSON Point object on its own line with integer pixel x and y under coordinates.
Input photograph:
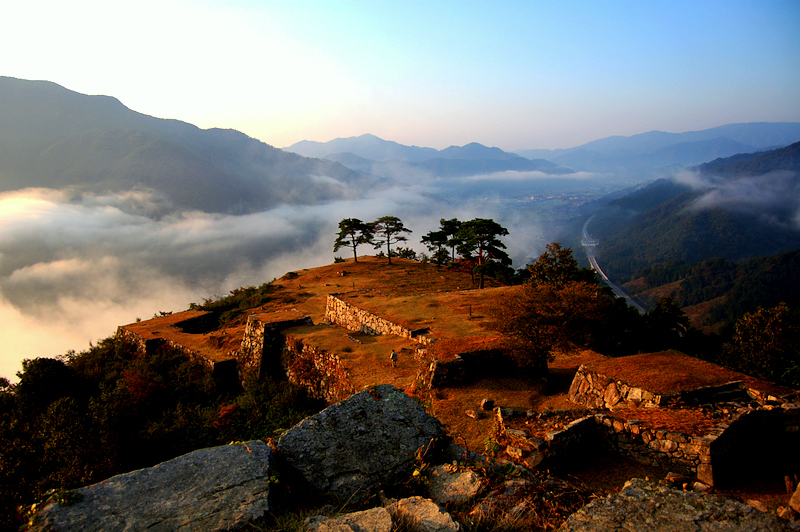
{"type": "Point", "coordinates": [732, 209]}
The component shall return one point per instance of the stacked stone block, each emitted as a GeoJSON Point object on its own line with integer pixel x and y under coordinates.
{"type": "Point", "coordinates": [352, 318]}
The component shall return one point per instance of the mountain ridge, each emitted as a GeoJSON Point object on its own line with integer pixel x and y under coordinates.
{"type": "Point", "coordinates": [52, 136]}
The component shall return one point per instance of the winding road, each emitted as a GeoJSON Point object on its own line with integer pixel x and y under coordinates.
{"type": "Point", "coordinates": [589, 246]}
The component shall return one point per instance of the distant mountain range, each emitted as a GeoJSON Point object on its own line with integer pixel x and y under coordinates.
{"type": "Point", "coordinates": [53, 137]}
{"type": "Point", "coordinates": [56, 138]}
{"type": "Point", "coordinates": [647, 155]}
{"type": "Point", "coordinates": [385, 158]}
{"type": "Point", "coordinates": [662, 151]}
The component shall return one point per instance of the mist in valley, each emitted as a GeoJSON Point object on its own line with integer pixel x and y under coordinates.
{"type": "Point", "coordinates": [75, 266]}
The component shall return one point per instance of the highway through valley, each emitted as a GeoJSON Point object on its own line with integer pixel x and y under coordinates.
{"type": "Point", "coordinates": [589, 246]}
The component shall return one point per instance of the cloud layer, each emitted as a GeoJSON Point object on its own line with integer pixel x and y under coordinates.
{"type": "Point", "coordinates": [774, 196]}
{"type": "Point", "coordinates": [74, 267]}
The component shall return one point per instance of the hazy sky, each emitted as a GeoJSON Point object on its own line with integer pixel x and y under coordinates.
{"type": "Point", "coordinates": [516, 75]}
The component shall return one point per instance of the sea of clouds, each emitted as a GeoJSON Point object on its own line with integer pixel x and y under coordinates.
{"type": "Point", "coordinates": [73, 267]}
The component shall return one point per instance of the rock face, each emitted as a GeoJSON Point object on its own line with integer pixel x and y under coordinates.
{"type": "Point", "coordinates": [645, 506]}
{"type": "Point", "coordinates": [350, 448]}
{"type": "Point", "coordinates": [220, 488]}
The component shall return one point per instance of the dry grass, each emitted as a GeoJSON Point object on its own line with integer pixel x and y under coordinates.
{"type": "Point", "coordinates": [420, 296]}
{"type": "Point", "coordinates": [450, 405]}
{"type": "Point", "coordinates": [215, 346]}
{"type": "Point", "coordinates": [692, 422]}
{"type": "Point", "coordinates": [670, 372]}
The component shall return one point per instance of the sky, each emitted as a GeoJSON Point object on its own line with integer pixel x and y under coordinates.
{"type": "Point", "coordinates": [516, 75]}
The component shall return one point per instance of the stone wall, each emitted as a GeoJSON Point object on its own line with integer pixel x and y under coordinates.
{"type": "Point", "coordinates": [672, 451]}
{"type": "Point", "coordinates": [260, 353]}
{"type": "Point", "coordinates": [146, 345]}
{"type": "Point", "coordinates": [344, 314]}
{"type": "Point", "coordinates": [759, 439]}
{"type": "Point", "coordinates": [595, 390]}
{"type": "Point", "coordinates": [225, 371]}
{"type": "Point", "coordinates": [320, 372]}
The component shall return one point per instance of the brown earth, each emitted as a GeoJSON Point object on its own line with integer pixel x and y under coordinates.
{"type": "Point", "coordinates": [670, 372]}
{"type": "Point", "coordinates": [444, 301]}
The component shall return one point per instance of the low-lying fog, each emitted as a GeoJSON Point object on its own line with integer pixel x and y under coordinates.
{"type": "Point", "coordinates": [74, 267]}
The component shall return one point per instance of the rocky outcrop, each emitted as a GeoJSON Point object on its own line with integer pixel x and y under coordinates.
{"type": "Point", "coordinates": [350, 448]}
{"type": "Point", "coordinates": [645, 506]}
{"type": "Point", "coordinates": [221, 488]}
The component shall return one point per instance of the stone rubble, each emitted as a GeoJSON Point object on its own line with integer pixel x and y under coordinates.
{"type": "Point", "coordinates": [649, 507]}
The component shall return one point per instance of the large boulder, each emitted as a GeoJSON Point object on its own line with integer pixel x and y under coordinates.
{"type": "Point", "coordinates": [350, 448]}
{"type": "Point", "coordinates": [648, 507]}
{"type": "Point", "coordinates": [220, 488]}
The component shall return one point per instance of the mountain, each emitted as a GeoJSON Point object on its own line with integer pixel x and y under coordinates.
{"type": "Point", "coordinates": [56, 138]}
{"type": "Point", "coordinates": [663, 151]}
{"type": "Point", "coordinates": [378, 150]}
{"type": "Point", "coordinates": [372, 155]}
{"type": "Point", "coordinates": [366, 146]}
{"type": "Point", "coordinates": [753, 164]}
{"type": "Point", "coordinates": [737, 208]}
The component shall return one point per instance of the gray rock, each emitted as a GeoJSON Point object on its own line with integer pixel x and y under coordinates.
{"type": "Point", "coordinates": [487, 404]}
{"type": "Point", "coordinates": [416, 514]}
{"type": "Point", "coordinates": [648, 507]}
{"type": "Point", "coordinates": [350, 448]}
{"type": "Point", "coordinates": [374, 520]}
{"type": "Point", "coordinates": [447, 484]}
{"type": "Point", "coordinates": [220, 488]}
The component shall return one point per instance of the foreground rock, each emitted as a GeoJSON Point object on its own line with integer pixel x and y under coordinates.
{"type": "Point", "coordinates": [352, 447]}
{"type": "Point", "coordinates": [374, 520]}
{"type": "Point", "coordinates": [645, 506]}
{"type": "Point", "coordinates": [413, 514]}
{"type": "Point", "coordinates": [417, 514]}
{"type": "Point", "coordinates": [449, 485]}
{"type": "Point", "coordinates": [220, 488]}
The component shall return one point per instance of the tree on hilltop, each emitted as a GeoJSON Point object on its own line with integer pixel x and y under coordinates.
{"type": "Point", "coordinates": [539, 320]}
{"type": "Point", "coordinates": [451, 228]}
{"type": "Point", "coordinates": [436, 241]}
{"type": "Point", "coordinates": [765, 344]}
{"type": "Point", "coordinates": [557, 267]}
{"type": "Point", "coordinates": [447, 235]}
{"type": "Point", "coordinates": [388, 230]}
{"type": "Point", "coordinates": [479, 239]}
{"type": "Point", "coordinates": [352, 233]}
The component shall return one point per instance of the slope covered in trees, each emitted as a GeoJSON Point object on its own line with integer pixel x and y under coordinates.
{"type": "Point", "coordinates": [735, 210]}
